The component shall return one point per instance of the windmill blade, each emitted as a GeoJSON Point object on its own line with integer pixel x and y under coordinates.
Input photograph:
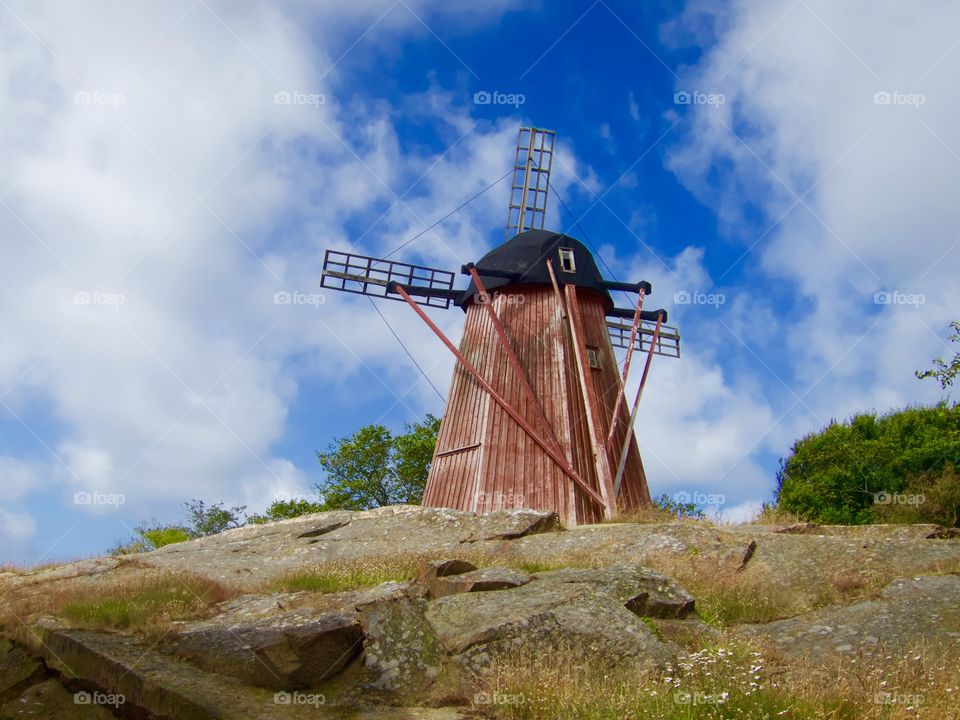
{"type": "Point", "coordinates": [668, 343]}
{"type": "Point", "coordinates": [365, 275]}
{"type": "Point", "coordinates": [531, 180]}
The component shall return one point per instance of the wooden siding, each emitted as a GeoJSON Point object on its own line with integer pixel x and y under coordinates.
{"type": "Point", "coordinates": [484, 460]}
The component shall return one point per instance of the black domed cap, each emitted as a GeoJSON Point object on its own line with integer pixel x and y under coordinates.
{"type": "Point", "coordinates": [522, 260]}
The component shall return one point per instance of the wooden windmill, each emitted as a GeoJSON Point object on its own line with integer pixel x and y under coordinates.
{"type": "Point", "coordinates": [536, 415]}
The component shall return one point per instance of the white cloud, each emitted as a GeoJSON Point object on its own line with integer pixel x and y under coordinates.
{"type": "Point", "coordinates": [16, 527]}
{"type": "Point", "coordinates": [17, 478]}
{"type": "Point", "coordinates": [854, 197]}
{"type": "Point", "coordinates": [148, 222]}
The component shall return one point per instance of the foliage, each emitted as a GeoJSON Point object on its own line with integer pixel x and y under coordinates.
{"type": "Point", "coordinates": [671, 506]}
{"type": "Point", "coordinates": [941, 372]}
{"type": "Point", "coordinates": [373, 468]}
{"type": "Point", "coordinates": [845, 472]}
{"type": "Point", "coordinates": [161, 535]}
{"type": "Point", "coordinates": [204, 520]}
{"type": "Point", "coordinates": [286, 509]}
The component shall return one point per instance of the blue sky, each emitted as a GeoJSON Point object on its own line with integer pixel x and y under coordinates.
{"type": "Point", "coordinates": [789, 167]}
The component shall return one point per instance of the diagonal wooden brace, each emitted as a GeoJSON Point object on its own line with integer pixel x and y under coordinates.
{"type": "Point", "coordinates": [497, 398]}
{"type": "Point", "coordinates": [636, 404]}
{"type": "Point", "coordinates": [626, 370]}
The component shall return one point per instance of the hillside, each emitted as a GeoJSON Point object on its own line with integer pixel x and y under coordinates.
{"type": "Point", "coordinates": [408, 612]}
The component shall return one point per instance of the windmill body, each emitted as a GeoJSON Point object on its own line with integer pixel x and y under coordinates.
{"type": "Point", "coordinates": [536, 415]}
{"type": "Point", "coordinates": [484, 460]}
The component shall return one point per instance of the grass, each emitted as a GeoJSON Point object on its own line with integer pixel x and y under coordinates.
{"type": "Point", "coordinates": [655, 515]}
{"type": "Point", "coordinates": [146, 604]}
{"type": "Point", "coordinates": [773, 515]}
{"type": "Point", "coordinates": [727, 680]}
{"type": "Point", "coordinates": [342, 575]}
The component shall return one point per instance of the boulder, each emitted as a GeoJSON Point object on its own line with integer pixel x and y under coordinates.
{"type": "Point", "coordinates": [909, 612]}
{"type": "Point", "coordinates": [449, 577]}
{"type": "Point", "coordinates": [553, 610]}
{"type": "Point", "coordinates": [643, 592]}
{"type": "Point", "coordinates": [282, 641]}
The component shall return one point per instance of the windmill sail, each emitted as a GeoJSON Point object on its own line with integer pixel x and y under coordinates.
{"type": "Point", "coordinates": [531, 180]}
{"type": "Point", "coordinates": [668, 342]}
{"type": "Point", "coordinates": [365, 275]}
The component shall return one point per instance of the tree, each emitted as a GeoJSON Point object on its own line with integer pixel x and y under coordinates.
{"type": "Point", "coordinates": [848, 472]}
{"type": "Point", "coordinates": [941, 372]}
{"type": "Point", "coordinates": [202, 520]}
{"type": "Point", "coordinates": [211, 519]}
{"type": "Point", "coordinates": [373, 468]}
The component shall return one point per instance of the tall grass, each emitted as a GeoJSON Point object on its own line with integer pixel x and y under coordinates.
{"type": "Point", "coordinates": [728, 680]}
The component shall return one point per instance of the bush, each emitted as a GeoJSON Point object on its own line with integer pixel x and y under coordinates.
{"type": "Point", "coordinates": [286, 509]}
{"type": "Point", "coordinates": [837, 475]}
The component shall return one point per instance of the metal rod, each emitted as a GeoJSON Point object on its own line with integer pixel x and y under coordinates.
{"type": "Point", "coordinates": [626, 370]}
{"type": "Point", "coordinates": [591, 405]}
{"type": "Point", "coordinates": [507, 408]}
{"type": "Point", "coordinates": [633, 415]}
{"type": "Point", "coordinates": [512, 358]}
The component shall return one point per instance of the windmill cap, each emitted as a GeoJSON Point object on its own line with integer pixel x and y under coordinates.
{"type": "Point", "coordinates": [522, 260]}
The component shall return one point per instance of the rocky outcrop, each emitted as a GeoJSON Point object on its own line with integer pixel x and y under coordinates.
{"type": "Point", "coordinates": [489, 589]}
{"type": "Point", "coordinates": [909, 613]}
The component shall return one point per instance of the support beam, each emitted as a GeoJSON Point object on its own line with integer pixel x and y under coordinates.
{"type": "Point", "coordinates": [633, 414]}
{"type": "Point", "coordinates": [497, 398]}
{"type": "Point", "coordinates": [626, 370]}
{"type": "Point", "coordinates": [591, 404]}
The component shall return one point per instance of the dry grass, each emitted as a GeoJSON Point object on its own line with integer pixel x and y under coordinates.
{"type": "Point", "coordinates": [726, 597]}
{"type": "Point", "coordinates": [145, 603]}
{"type": "Point", "coordinates": [352, 574]}
{"type": "Point", "coordinates": [654, 515]}
{"type": "Point", "coordinates": [772, 515]}
{"type": "Point", "coordinates": [727, 680]}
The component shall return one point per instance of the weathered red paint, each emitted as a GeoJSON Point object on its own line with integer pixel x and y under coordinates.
{"type": "Point", "coordinates": [485, 460]}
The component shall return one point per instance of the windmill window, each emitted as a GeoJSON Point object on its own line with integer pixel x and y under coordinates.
{"type": "Point", "coordinates": [593, 357]}
{"type": "Point", "coordinates": [567, 263]}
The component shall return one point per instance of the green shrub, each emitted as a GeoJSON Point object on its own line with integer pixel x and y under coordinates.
{"type": "Point", "coordinates": [836, 476]}
{"type": "Point", "coordinates": [286, 509]}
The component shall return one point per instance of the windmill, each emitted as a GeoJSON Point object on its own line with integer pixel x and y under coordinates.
{"type": "Point", "coordinates": [536, 415]}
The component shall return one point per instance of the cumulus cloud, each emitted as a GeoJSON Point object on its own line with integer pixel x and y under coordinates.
{"type": "Point", "coordinates": [168, 171]}
{"type": "Point", "coordinates": [831, 165]}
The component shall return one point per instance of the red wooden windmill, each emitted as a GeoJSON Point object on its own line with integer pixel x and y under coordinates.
{"type": "Point", "coordinates": [536, 415]}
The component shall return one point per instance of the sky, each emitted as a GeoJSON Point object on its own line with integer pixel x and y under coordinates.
{"type": "Point", "coordinates": [783, 173]}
